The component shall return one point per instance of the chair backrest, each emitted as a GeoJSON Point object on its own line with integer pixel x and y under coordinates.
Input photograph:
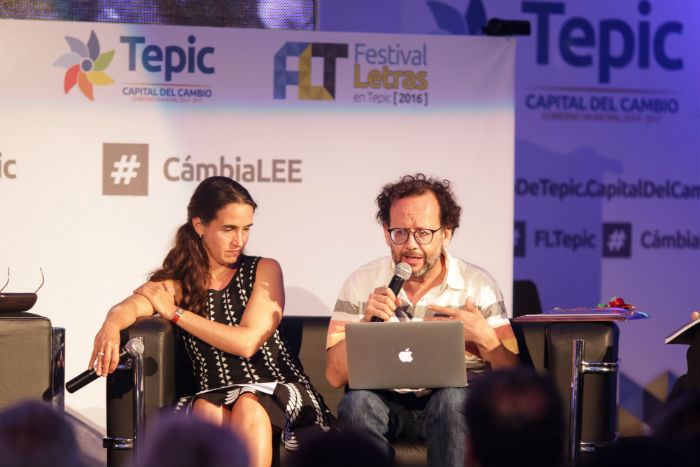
{"type": "Point", "coordinates": [164, 378]}
{"type": "Point", "coordinates": [547, 347]}
{"type": "Point", "coordinates": [526, 300]}
{"type": "Point", "coordinates": [25, 358]}
{"type": "Point", "coordinates": [307, 336]}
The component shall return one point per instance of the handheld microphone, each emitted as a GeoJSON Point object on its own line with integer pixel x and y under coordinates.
{"type": "Point", "coordinates": [133, 348]}
{"type": "Point", "coordinates": [402, 272]}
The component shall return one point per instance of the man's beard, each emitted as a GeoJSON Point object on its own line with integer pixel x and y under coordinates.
{"type": "Point", "coordinates": [429, 263]}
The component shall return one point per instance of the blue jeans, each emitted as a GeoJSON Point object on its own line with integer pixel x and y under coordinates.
{"type": "Point", "coordinates": [385, 416]}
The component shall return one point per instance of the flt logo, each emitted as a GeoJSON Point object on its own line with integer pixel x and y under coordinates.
{"type": "Point", "coordinates": [85, 65]}
{"type": "Point", "coordinates": [302, 78]}
{"type": "Point", "coordinates": [519, 239]}
{"type": "Point", "coordinates": [617, 240]}
{"type": "Point", "coordinates": [124, 169]}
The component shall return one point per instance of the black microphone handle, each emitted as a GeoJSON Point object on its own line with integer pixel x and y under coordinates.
{"type": "Point", "coordinates": [395, 284]}
{"type": "Point", "coordinates": [86, 377]}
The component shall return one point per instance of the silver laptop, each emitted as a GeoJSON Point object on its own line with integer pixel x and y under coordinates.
{"type": "Point", "coordinates": [407, 354]}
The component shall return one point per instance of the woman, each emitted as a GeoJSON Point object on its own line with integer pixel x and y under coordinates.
{"type": "Point", "coordinates": [229, 306]}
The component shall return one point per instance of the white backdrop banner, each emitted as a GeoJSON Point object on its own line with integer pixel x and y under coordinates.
{"type": "Point", "coordinates": [106, 129]}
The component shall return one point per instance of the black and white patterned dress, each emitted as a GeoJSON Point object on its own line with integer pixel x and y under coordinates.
{"type": "Point", "coordinates": [294, 403]}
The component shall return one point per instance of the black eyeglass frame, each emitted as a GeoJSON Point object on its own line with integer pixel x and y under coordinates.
{"type": "Point", "coordinates": [432, 235]}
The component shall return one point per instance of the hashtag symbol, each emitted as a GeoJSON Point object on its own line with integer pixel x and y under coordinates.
{"type": "Point", "coordinates": [125, 169]}
{"type": "Point", "coordinates": [616, 240]}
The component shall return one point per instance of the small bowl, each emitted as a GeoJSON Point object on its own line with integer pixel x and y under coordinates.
{"type": "Point", "coordinates": [15, 302]}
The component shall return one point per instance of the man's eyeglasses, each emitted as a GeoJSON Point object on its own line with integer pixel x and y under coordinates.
{"type": "Point", "coordinates": [422, 236]}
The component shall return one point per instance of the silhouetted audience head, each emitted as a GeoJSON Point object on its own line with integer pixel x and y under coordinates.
{"type": "Point", "coordinates": [334, 447]}
{"type": "Point", "coordinates": [514, 417]}
{"type": "Point", "coordinates": [681, 418]}
{"type": "Point", "coordinates": [32, 433]}
{"type": "Point", "coordinates": [179, 440]}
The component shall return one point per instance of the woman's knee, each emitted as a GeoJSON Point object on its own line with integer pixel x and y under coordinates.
{"type": "Point", "coordinates": [248, 410]}
{"type": "Point", "coordinates": [205, 410]}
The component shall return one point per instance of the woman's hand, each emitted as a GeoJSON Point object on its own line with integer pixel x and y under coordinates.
{"type": "Point", "coordinates": [161, 296]}
{"type": "Point", "coordinates": [105, 350]}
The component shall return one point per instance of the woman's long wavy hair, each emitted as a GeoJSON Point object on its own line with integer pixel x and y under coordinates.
{"type": "Point", "coordinates": [188, 262]}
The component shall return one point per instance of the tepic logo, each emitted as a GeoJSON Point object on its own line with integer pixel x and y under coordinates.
{"type": "Point", "coordinates": [7, 168]}
{"type": "Point", "coordinates": [302, 78]}
{"type": "Point", "coordinates": [617, 240]}
{"type": "Point", "coordinates": [641, 43]}
{"type": "Point", "coordinates": [85, 65]}
{"type": "Point", "coordinates": [124, 169]}
{"type": "Point", "coordinates": [519, 239]}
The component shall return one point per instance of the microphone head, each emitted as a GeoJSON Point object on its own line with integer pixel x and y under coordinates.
{"type": "Point", "coordinates": [134, 347]}
{"type": "Point", "coordinates": [403, 270]}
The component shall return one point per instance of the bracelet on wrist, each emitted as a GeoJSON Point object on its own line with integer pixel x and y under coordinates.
{"type": "Point", "coordinates": [176, 317]}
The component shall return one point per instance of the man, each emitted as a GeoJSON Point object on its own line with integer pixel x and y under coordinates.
{"type": "Point", "coordinates": [419, 216]}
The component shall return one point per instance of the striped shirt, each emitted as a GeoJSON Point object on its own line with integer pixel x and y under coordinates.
{"type": "Point", "coordinates": [461, 281]}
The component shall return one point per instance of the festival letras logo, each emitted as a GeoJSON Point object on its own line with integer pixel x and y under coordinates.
{"type": "Point", "coordinates": [85, 65]}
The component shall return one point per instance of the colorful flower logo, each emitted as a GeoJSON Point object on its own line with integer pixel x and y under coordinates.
{"type": "Point", "coordinates": [85, 65]}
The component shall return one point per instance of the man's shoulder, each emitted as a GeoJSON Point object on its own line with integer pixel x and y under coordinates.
{"type": "Point", "coordinates": [369, 271]}
{"type": "Point", "coordinates": [470, 270]}
{"type": "Point", "coordinates": [366, 278]}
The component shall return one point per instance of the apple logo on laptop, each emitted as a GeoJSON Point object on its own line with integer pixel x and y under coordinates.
{"type": "Point", "coordinates": [406, 356]}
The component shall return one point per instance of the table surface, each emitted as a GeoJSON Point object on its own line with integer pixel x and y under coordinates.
{"type": "Point", "coordinates": [583, 314]}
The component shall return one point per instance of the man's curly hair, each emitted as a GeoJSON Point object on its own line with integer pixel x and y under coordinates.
{"type": "Point", "coordinates": [415, 185]}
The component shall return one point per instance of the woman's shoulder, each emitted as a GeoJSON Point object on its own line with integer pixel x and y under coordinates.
{"type": "Point", "coordinates": [248, 259]}
{"type": "Point", "coordinates": [256, 269]}
{"type": "Point", "coordinates": [167, 282]}
{"type": "Point", "coordinates": [261, 267]}
{"type": "Point", "coordinates": [172, 285]}
{"type": "Point", "coordinates": [267, 265]}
